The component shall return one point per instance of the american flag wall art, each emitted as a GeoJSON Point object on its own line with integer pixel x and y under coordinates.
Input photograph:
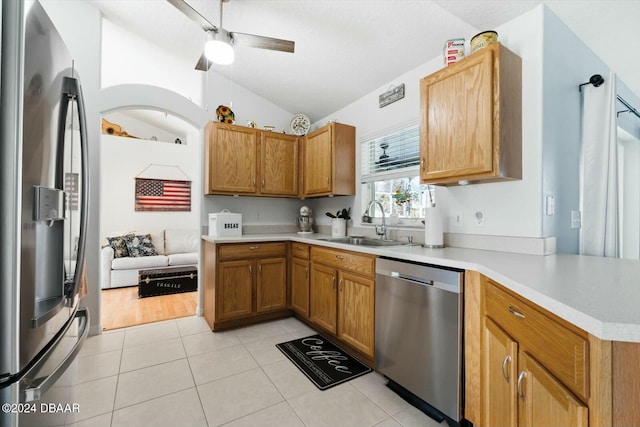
{"type": "Point", "coordinates": [163, 195]}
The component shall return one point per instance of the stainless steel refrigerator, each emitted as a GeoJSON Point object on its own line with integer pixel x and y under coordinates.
{"type": "Point", "coordinates": [43, 155]}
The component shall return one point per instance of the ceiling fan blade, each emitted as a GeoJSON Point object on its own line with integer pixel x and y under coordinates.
{"type": "Point", "coordinates": [193, 14]}
{"type": "Point", "coordinates": [203, 63]}
{"type": "Point", "coordinates": [261, 42]}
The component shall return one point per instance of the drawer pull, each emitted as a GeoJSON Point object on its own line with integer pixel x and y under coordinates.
{"type": "Point", "coordinates": [504, 365]}
{"type": "Point", "coordinates": [339, 257]}
{"type": "Point", "coordinates": [299, 247]}
{"type": "Point", "coordinates": [253, 248]}
{"type": "Point", "coordinates": [521, 377]}
{"type": "Point", "coordinates": [516, 312]}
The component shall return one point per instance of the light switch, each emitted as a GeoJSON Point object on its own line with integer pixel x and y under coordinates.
{"type": "Point", "coordinates": [551, 205]}
{"type": "Point", "coordinates": [576, 219]}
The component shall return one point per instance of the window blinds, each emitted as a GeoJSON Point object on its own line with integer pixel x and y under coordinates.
{"type": "Point", "coordinates": [396, 155]}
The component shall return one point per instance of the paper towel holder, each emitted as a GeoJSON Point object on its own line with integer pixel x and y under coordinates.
{"type": "Point", "coordinates": [431, 246]}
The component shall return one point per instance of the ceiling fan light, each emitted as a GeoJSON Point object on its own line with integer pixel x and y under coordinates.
{"type": "Point", "coordinates": [219, 52]}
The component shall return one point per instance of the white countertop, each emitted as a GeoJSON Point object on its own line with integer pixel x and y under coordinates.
{"type": "Point", "coordinates": [598, 295]}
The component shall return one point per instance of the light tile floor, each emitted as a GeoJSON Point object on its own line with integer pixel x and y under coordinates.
{"type": "Point", "coordinates": [179, 374]}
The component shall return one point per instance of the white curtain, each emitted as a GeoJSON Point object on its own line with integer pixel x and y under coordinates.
{"type": "Point", "coordinates": [599, 171]}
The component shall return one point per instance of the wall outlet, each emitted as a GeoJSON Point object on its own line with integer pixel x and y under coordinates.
{"type": "Point", "coordinates": [457, 219]}
{"type": "Point", "coordinates": [478, 218]}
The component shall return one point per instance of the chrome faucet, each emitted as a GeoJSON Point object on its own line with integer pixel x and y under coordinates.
{"type": "Point", "coordinates": [381, 230]}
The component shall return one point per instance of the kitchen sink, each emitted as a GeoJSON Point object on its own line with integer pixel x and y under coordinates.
{"type": "Point", "coordinates": [364, 241]}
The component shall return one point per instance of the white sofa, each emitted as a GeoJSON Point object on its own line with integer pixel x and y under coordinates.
{"type": "Point", "coordinates": [174, 247]}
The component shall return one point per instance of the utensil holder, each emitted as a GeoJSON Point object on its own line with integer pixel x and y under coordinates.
{"type": "Point", "coordinates": [338, 227]}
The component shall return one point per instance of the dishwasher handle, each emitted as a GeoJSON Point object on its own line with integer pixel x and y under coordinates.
{"type": "Point", "coordinates": [417, 280]}
{"type": "Point", "coordinates": [423, 282]}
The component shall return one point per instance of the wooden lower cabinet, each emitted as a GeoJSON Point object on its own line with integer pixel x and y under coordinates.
{"type": "Point", "coordinates": [324, 299]}
{"type": "Point", "coordinates": [271, 284]}
{"type": "Point", "coordinates": [299, 274]}
{"type": "Point", "coordinates": [246, 282]}
{"type": "Point", "coordinates": [356, 311]}
{"type": "Point", "coordinates": [531, 367]}
{"type": "Point", "coordinates": [500, 364]}
{"type": "Point", "coordinates": [519, 391]}
{"type": "Point", "coordinates": [234, 295]}
{"type": "Point", "coordinates": [543, 400]}
{"type": "Point", "coordinates": [342, 292]}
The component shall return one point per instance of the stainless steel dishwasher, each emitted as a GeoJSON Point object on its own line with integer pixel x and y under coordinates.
{"type": "Point", "coordinates": [418, 335]}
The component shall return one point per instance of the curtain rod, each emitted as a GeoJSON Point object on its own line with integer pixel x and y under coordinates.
{"type": "Point", "coordinates": [596, 80]}
{"type": "Point", "coordinates": [630, 108]}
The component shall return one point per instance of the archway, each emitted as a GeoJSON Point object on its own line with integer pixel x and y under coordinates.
{"type": "Point", "coordinates": [117, 170]}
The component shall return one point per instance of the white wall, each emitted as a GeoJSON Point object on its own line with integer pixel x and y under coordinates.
{"type": "Point", "coordinates": [129, 59]}
{"type": "Point", "coordinates": [125, 158]}
{"type": "Point", "coordinates": [510, 208]}
{"type": "Point", "coordinates": [567, 63]}
{"type": "Point", "coordinates": [246, 105]}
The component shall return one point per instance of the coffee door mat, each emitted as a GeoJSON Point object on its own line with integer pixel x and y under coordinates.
{"type": "Point", "coordinates": [322, 362]}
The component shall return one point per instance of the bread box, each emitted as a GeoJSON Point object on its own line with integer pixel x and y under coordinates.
{"type": "Point", "coordinates": [225, 223]}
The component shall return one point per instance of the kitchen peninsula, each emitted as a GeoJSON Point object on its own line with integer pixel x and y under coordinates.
{"type": "Point", "coordinates": [592, 300]}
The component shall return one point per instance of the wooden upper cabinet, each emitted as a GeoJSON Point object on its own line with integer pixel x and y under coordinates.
{"type": "Point", "coordinates": [329, 161]}
{"type": "Point", "coordinates": [278, 164]}
{"type": "Point", "coordinates": [471, 120]}
{"type": "Point", "coordinates": [243, 160]}
{"type": "Point", "coordinates": [232, 153]}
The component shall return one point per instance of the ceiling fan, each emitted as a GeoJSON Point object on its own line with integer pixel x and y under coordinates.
{"type": "Point", "coordinates": [220, 42]}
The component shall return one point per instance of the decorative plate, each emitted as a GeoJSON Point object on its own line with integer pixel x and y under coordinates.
{"type": "Point", "coordinates": [300, 124]}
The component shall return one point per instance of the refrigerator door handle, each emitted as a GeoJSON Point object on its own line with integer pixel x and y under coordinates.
{"type": "Point", "coordinates": [72, 91]}
{"type": "Point", "coordinates": [39, 386]}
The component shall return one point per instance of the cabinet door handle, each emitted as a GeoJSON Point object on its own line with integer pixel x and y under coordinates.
{"type": "Point", "coordinates": [340, 285]}
{"type": "Point", "coordinates": [250, 270]}
{"type": "Point", "coordinates": [254, 182]}
{"type": "Point", "coordinates": [333, 283]}
{"type": "Point", "coordinates": [328, 180]}
{"type": "Point", "coordinates": [306, 273]}
{"type": "Point", "coordinates": [504, 366]}
{"type": "Point", "coordinates": [516, 312]}
{"type": "Point", "coordinates": [263, 183]}
{"type": "Point", "coordinates": [339, 257]}
{"type": "Point", "coordinates": [253, 248]}
{"type": "Point", "coordinates": [260, 269]}
{"type": "Point", "coordinates": [422, 163]}
{"type": "Point", "coordinates": [521, 377]}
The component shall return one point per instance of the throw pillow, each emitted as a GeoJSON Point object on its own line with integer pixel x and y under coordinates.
{"type": "Point", "coordinates": [119, 246]}
{"type": "Point", "coordinates": [140, 245]}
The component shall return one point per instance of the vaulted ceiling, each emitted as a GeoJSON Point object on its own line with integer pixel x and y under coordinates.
{"type": "Point", "coordinates": [347, 48]}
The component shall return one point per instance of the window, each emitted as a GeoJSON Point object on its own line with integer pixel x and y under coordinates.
{"type": "Point", "coordinates": [390, 175]}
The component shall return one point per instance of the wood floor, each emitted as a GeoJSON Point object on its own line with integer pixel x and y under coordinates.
{"type": "Point", "coordinates": [122, 308]}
